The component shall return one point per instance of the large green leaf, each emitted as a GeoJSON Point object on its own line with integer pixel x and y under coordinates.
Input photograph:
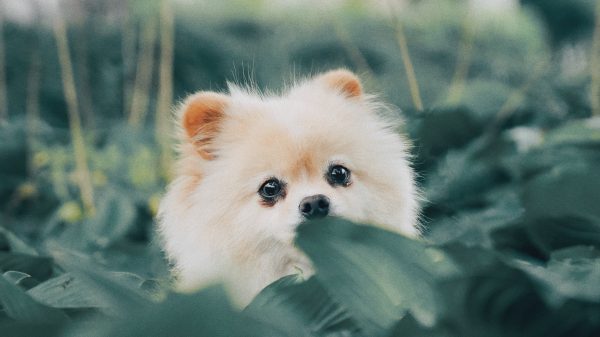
{"type": "Point", "coordinates": [19, 306]}
{"type": "Point", "coordinates": [571, 273]}
{"type": "Point", "coordinates": [21, 329]}
{"type": "Point", "coordinates": [207, 313]}
{"type": "Point", "coordinates": [570, 189]}
{"type": "Point", "coordinates": [67, 291]}
{"type": "Point", "coordinates": [302, 309]}
{"type": "Point", "coordinates": [116, 293]}
{"type": "Point", "coordinates": [377, 275]}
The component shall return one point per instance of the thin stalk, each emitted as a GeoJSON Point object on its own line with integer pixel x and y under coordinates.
{"type": "Point", "coordinates": [3, 94]}
{"type": "Point", "coordinates": [32, 104]}
{"type": "Point", "coordinates": [413, 84]}
{"type": "Point", "coordinates": [595, 66]}
{"type": "Point", "coordinates": [143, 80]}
{"type": "Point", "coordinates": [80, 49]}
{"type": "Point", "coordinates": [83, 174]}
{"type": "Point", "coordinates": [463, 62]}
{"type": "Point", "coordinates": [32, 108]}
{"type": "Point", "coordinates": [165, 89]}
{"type": "Point", "coordinates": [128, 32]}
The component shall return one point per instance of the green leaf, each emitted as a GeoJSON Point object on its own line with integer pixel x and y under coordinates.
{"type": "Point", "coordinates": [302, 309]}
{"type": "Point", "coordinates": [20, 329]}
{"type": "Point", "coordinates": [570, 189]}
{"type": "Point", "coordinates": [67, 291]}
{"type": "Point", "coordinates": [15, 276]}
{"type": "Point", "coordinates": [577, 132]}
{"type": "Point", "coordinates": [36, 266]}
{"type": "Point", "coordinates": [19, 306]}
{"type": "Point", "coordinates": [15, 244]}
{"type": "Point", "coordinates": [207, 313]}
{"type": "Point", "coordinates": [549, 234]}
{"type": "Point", "coordinates": [572, 273]}
{"type": "Point", "coordinates": [443, 129]}
{"type": "Point", "coordinates": [115, 216]}
{"type": "Point", "coordinates": [23, 280]}
{"type": "Point", "coordinates": [117, 293]}
{"type": "Point", "coordinates": [377, 275]}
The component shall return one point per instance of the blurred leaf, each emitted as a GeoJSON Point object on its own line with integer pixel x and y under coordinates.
{"type": "Point", "coordinates": [14, 244]}
{"type": "Point", "coordinates": [36, 266]}
{"type": "Point", "coordinates": [115, 216]}
{"type": "Point", "coordinates": [550, 234]}
{"type": "Point", "coordinates": [565, 19]}
{"type": "Point", "coordinates": [577, 132]}
{"type": "Point", "coordinates": [494, 300]}
{"type": "Point", "coordinates": [19, 306]}
{"type": "Point", "coordinates": [67, 291]}
{"type": "Point", "coordinates": [459, 179]}
{"type": "Point", "coordinates": [572, 273]}
{"type": "Point", "coordinates": [474, 227]}
{"type": "Point", "coordinates": [443, 129]}
{"type": "Point", "coordinates": [207, 313]}
{"type": "Point", "coordinates": [117, 293]}
{"type": "Point", "coordinates": [408, 326]}
{"type": "Point", "coordinates": [570, 189]}
{"type": "Point", "coordinates": [402, 279]}
{"type": "Point", "coordinates": [16, 277]}
{"type": "Point", "coordinates": [20, 329]}
{"type": "Point", "coordinates": [302, 309]}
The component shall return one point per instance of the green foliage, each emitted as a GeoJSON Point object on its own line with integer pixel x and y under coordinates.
{"type": "Point", "coordinates": [509, 171]}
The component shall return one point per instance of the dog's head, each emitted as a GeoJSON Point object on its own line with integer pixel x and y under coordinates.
{"type": "Point", "coordinates": [253, 166]}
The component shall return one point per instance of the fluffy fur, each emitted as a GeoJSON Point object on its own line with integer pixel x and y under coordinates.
{"type": "Point", "coordinates": [214, 224]}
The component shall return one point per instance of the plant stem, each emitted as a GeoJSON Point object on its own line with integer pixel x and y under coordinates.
{"type": "Point", "coordinates": [143, 80]}
{"type": "Point", "coordinates": [595, 66]}
{"type": "Point", "coordinates": [80, 50]}
{"type": "Point", "coordinates": [3, 94]}
{"type": "Point", "coordinates": [413, 84]}
{"type": "Point", "coordinates": [461, 71]}
{"type": "Point", "coordinates": [128, 32]}
{"type": "Point", "coordinates": [83, 175]}
{"type": "Point", "coordinates": [32, 108]}
{"type": "Point", "coordinates": [165, 89]}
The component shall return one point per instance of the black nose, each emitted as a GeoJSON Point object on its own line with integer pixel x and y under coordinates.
{"type": "Point", "coordinates": [315, 206]}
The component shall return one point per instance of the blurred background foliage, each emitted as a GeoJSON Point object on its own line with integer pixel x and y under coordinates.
{"type": "Point", "coordinates": [501, 99]}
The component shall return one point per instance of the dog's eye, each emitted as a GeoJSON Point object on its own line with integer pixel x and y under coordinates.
{"type": "Point", "coordinates": [338, 175]}
{"type": "Point", "coordinates": [271, 189]}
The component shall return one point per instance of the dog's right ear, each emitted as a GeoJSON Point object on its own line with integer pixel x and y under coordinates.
{"type": "Point", "coordinates": [201, 118]}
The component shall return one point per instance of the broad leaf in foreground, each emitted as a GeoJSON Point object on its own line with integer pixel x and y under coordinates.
{"type": "Point", "coordinates": [376, 274]}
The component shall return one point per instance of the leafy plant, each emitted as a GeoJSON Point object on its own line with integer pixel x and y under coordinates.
{"type": "Point", "coordinates": [509, 168]}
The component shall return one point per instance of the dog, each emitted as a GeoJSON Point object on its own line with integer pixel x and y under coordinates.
{"type": "Point", "coordinates": [252, 167]}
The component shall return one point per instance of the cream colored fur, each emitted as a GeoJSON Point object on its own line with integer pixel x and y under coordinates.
{"type": "Point", "coordinates": [212, 223]}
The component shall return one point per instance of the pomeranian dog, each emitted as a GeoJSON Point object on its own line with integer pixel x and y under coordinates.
{"type": "Point", "coordinates": [252, 167]}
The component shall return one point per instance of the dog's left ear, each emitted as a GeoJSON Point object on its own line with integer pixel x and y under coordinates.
{"type": "Point", "coordinates": [343, 81]}
{"type": "Point", "coordinates": [201, 118]}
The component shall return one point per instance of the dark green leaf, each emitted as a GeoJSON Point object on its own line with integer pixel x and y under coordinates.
{"type": "Point", "coordinates": [19, 306]}
{"type": "Point", "coordinates": [36, 266]}
{"type": "Point", "coordinates": [566, 190]}
{"type": "Point", "coordinates": [572, 273]}
{"type": "Point", "coordinates": [68, 291]}
{"type": "Point", "coordinates": [377, 275]}
{"type": "Point", "coordinates": [302, 309]}
{"type": "Point", "coordinates": [207, 313]}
